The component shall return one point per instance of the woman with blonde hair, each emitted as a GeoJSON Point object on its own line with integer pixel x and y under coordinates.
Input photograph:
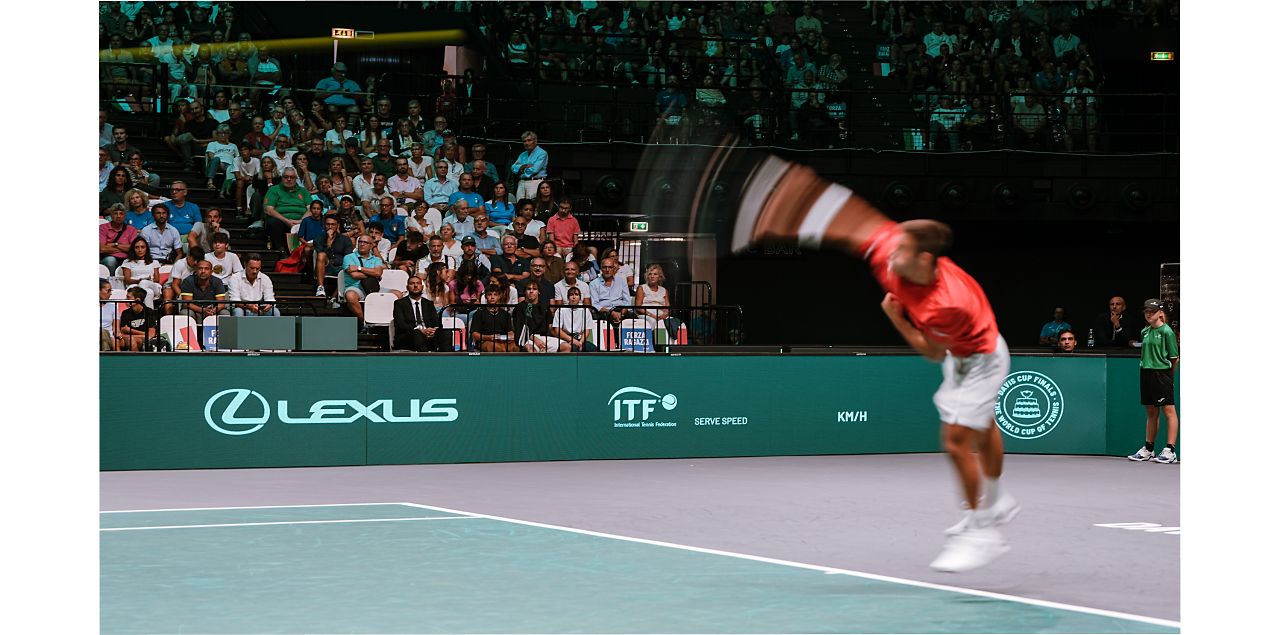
{"type": "Point", "coordinates": [653, 294]}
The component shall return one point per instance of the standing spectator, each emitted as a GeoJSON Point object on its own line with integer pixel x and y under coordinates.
{"type": "Point", "coordinates": [1117, 327]}
{"type": "Point", "coordinates": [338, 93]}
{"type": "Point", "coordinates": [114, 237]}
{"type": "Point", "coordinates": [530, 168]}
{"type": "Point", "coordinates": [250, 291]}
{"type": "Point", "coordinates": [1159, 361]}
{"type": "Point", "coordinates": [1051, 329]}
{"type": "Point", "coordinates": [163, 240]}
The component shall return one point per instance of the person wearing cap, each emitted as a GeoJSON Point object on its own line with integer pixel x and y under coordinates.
{"type": "Point", "coordinates": [473, 255]}
{"type": "Point", "coordinates": [530, 167]}
{"type": "Point", "coordinates": [339, 93]}
{"type": "Point", "coordinates": [1156, 368]}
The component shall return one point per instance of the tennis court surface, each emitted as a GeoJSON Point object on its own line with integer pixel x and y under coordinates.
{"type": "Point", "coordinates": [411, 567]}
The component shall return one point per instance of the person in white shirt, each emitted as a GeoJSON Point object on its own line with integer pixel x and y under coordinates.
{"type": "Point", "coordinates": [571, 281]}
{"type": "Point", "coordinates": [934, 40]}
{"type": "Point", "coordinates": [945, 122]}
{"type": "Point", "coordinates": [425, 219]}
{"type": "Point", "coordinates": [250, 291]}
{"type": "Point", "coordinates": [403, 185]}
{"type": "Point", "coordinates": [219, 156]}
{"type": "Point", "coordinates": [1066, 40]}
{"type": "Point", "coordinates": [225, 263]}
{"type": "Point", "coordinates": [419, 163]}
{"type": "Point", "coordinates": [570, 324]}
{"type": "Point", "coordinates": [244, 168]}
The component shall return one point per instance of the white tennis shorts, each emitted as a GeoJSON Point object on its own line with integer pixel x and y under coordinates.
{"type": "Point", "coordinates": [967, 395]}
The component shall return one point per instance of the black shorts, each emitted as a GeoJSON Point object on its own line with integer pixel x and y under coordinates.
{"type": "Point", "coordinates": [1156, 386]}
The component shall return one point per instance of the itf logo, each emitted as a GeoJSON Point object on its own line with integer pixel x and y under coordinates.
{"type": "Point", "coordinates": [1029, 405]}
{"type": "Point", "coordinates": [638, 405]}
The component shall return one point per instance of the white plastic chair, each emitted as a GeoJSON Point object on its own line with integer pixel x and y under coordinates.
{"type": "Point", "coordinates": [394, 279]}
{"type": "Point", "coordinates": [163, 273]}
{"type": "Point", "coordinates": [460, 330]}
{"type": "Point", "coordinates": [182, 332]}
{"type": "Point", "coordinates": [103, 272]}
{"type": "Point", "coordinates": [211, 321]}
{"type": "Point", "coordinates": [118, 294]}
{"type": "Point", "coordinates": [378, 308]}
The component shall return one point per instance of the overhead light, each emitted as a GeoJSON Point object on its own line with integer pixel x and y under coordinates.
{"type": "Point", "coordinates": [897, 194]}
{"type": "Point", "coordinates": [1162, 56]}
{"type": "Point", "coordinates": [1080, 197]}
{"type": "Point", "coordinates": [1136, 197]}
{"type": "Point", "coordinates": [1005, 196]}
{"type": "Point", "coordinates": [952, 195]}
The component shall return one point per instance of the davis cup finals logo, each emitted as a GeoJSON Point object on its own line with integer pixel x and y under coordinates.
{"type": "Point", "coordinates": [1029, 405]}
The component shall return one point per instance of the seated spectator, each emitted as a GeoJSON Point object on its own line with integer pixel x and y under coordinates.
{"type": "Point", "coordinates": [945, 122]}
{"type": "Point", "coordinates": [527, 246]}
{"type": "Point", "coordinates": [409, 252]}
{"type": "Point", "coordinates": [284, 205]}
{"type": "Point", "coordinates": [436, 286]}
{"type": "Point", "coordinates": [487, 241]}
{"type": "Point", "coordinates": [670, 105]}
{"type": "Point", "coordinates": [569, 323]}
{"type": "Point", "coordinates": [306, 178]}
{"type": "Point", "coordinates": [538, 274]}
{"type": "Point", "coordinates": [244, 168]}
{"type": "Point", "coordinates": [163, 240]}
{"type": "Point", "coordinates": [653, 296]}
{"type": "Point", "coordinates": [391, 223]}
{"type": "Point", "coordinates": [107, 320]}
{"type": "Point", "coordinates": [138, 324]}
{"type": "Point", "coordinates": [277, 125]}
{"type": "Point", "coordinates": [466, 191]}
{"type": "Point", "coordinates": [625, 271]}
{"type": "Point", "coordinates": [499, 209]}
{"type": "Point", "coordinates": [416, 322]}
{"type": "Point", "coordinates": [281, 152]}
{"type": "Point", "coordinates": [268, 176]}
{"type": "Point", "coordinates": [420, 165]}
{"type": "Point", "coordinates": [114, 238]}
{"type": "Point", "coordinates": [555, 264]}
{"type": "Point", "coordinates": [469, 254]}
{"type": "Point", "coordinates": [104, 172]}
{"type": "Point", "coordinates": [183, 214]}
{"type": "Point", "coordinates": [1066, 40]}
{"type": "Point", "coordinates": [525, 210]}
{"type": "Point", "coordinates": [381, 245]}
{"type": "Point", "coordinates": [934, 40]}
{"type": "Point", "coordinates": [225, 263]}
{"type": "Point", "coordinates": [478, 152]}
{"type": "Point", "coordinates": [1066, 341]}
{"type": "Point", "coordinates": [608, 293]}
{"type": "Point", "coordinates": [544, 203]}
{"type": "Point", "coordinates": [512, 266]}
{"type": "Point", "coordinates": [136, 213]}
{"type": "Point", "coordinates": [356, 268]}
{"type": "Point", "coordinates": [338, 93]}
{"type": "Point", "coordinates": [183, 268]}
{"type": "Point", "coordinates": [194, 135]}
{"type": "Point", "coordinates": [438, 191]}
{"type": "Point", "coordinates": [330, 250]}
{"type": "Point", "coordinates": [425, 219]}
{"type": "Point", "coordinates": [492, 329]}
{"type": "Point", "coordinates": [203, 294]}
{"type": "Point", "coordinates": [834, 73]}
{"type": "Point", "coordinates": [1029, 119]}
{"type": "Point", "coordinates": [335, 140]}
{"type": "Point", "coordinates": [467, 287]}
{"type": "Point", "coordinates": [250, 291]}
{"type": "Point", "coordinates": [404, 186]}
{"type": "Point", "coordinates": [220, 156]}
{"type": "Point", "coordinates": [807, 22]}
{"type": "Point", "coordinates": [481, 183]}
{"type": "Point", "coordinates": [383, 162]}
{"type": "Point", "coordinates": [1049, 332]}
{"type": "Point", "coordinates": [141, 269]}
{"type": "Point", "coordinates": [460, 218]}
{"type": "Point", "coordinates": [1117, 327]}
{"type": "Point", "coordinates": [529, 320]}
{"type": "Point", "coordinates": [449, 237]}
{"type": "Point", "coordinates": [114, 189]}
{"type": "Point", "coordinates": [202, 233]}
{"type": "Point", "coordinates": [588, 267]}
{"type": "Point", "coordinates": [120, 148]}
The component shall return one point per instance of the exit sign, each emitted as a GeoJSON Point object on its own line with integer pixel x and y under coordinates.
{"type": "Point", "coordinates": [1162, 56]}
{"type": "Point", "coordinates": [639, 226]}
{"type": "Point", "coordinates": [344, 34]}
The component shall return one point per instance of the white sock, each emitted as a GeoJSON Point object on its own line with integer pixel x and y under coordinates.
{"type": "Point", "coordinates": [990, 492]}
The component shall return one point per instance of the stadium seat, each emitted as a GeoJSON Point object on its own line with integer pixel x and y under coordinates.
{"type": "Point", "coordinates": [210, 325]}
{"type": "Point", "coordinates": [378, 310]}
{"type": "Point", "coordinates": [162, 274]}
{"type": "Point", "coordinates": [394, 279]}
{"type": "Point", "coordinates": [103, 272]}
{"type": "Point", "coordinates": [459, 331]}
{"type": "Point", "coordinates": [182, 332]}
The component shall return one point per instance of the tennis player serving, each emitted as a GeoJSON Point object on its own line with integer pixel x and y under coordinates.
{"type": "Point", "coordinates": [940, 310]}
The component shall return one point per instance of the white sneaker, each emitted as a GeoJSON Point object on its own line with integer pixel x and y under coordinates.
{"type": "Point", "coordinates": [1143, 454]}
{"type": "Point", "coordinates": [320, 291]}
{"type": "Point", "coordinates": [1003, 512]}
{"type": "Point", "coordinates": [958, 528]}
{"type": "Point", "coordinates": [1167, 456]}
{"type": "Point", "coordinates": [970, 549]}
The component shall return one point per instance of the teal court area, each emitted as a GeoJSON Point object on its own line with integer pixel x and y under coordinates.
{"type": "Point", "coordinates": [410, 568]}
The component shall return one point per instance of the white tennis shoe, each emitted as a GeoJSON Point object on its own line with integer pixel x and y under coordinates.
{"type": "Point", "coordinates": [972, 548]}
{"type": "Point", "coordinates": [1002, 513]}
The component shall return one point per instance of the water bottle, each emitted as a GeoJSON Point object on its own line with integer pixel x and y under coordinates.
{"type": "Point", "coordinates": [1091, 342]}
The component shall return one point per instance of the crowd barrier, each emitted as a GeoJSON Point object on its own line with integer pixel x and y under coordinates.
{"type": "Point", "coordinates": [265, 410]}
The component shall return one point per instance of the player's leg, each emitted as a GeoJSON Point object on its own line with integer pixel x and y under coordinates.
{"type": "Point", "coordinates": [958, 442]}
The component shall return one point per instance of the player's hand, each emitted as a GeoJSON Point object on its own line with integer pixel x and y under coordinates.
{"type": "Point", "coordinates": [892, 305]}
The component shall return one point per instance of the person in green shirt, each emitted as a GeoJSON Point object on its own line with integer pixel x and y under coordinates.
{"type": "Point", "coordinates": [1159, 359]}
{"type": "Point", "coordinates": [284, 204]}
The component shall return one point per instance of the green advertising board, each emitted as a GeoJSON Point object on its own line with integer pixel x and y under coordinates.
{"type": "Point", "coordinates": [290, 410]}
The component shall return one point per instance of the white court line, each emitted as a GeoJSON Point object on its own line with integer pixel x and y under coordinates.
{"type": "Point", "coordinates": [860, 574]}
{"type": "Point", "coordinates": [290, 522]}
{"type": "Point", "coordinates": [203, 509]}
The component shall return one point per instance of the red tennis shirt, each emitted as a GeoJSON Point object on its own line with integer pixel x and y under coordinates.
{"type": "Point", "coordinates": [953, 310]}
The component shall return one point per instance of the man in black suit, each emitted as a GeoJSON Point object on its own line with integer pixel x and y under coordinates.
{"type": "Point", "coordinates": [1117, 327]}
{"type": "Point", "coordinates": [417, 325]}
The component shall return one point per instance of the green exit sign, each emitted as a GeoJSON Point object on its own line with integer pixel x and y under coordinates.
{"type": "Point", "coordinates": [639, 226]}
{"type": "Point", "coordinates": [1162, 56]}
